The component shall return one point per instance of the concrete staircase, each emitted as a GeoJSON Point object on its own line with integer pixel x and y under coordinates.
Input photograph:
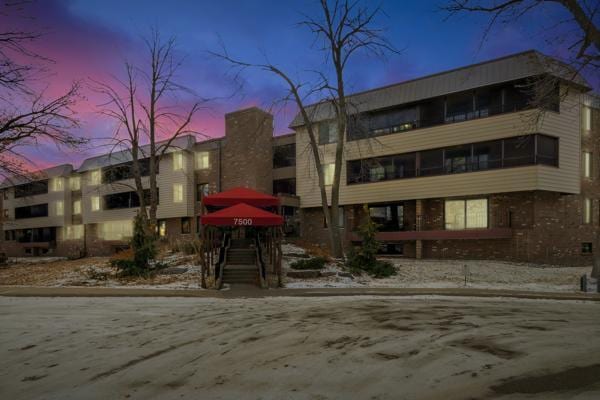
{"type": "Point", "coordinates": [241, 263]}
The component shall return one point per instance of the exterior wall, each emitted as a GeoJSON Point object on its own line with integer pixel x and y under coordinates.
{"type": "Point", "coordinates": [247, 156]}
{"type": "Point", "coordinates": [564, 125]}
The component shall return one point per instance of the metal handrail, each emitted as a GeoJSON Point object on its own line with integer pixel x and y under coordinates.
{"type": "Point", "coordinates": [222, 262]}
{"type": "Point", "coordinates": [259, 262]}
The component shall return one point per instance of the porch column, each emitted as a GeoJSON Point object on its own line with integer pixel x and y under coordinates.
{"type": "Point", "coordinates": [419, 242]}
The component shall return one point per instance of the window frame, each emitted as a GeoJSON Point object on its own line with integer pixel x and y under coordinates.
{"type": "Point", "coordinates": [465, 224]}
{"type": "Point", "coordinates": [178, 193]}
{"type": "Point", "coordinates": [200, 158]}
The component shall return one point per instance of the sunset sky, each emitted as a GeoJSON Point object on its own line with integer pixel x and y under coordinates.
{"type": "Point", "coordinates": [89, 40]}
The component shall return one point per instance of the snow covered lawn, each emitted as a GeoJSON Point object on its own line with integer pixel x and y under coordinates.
{"type": "Point", "coordinates": [413, 273]}
{"type": "Point", "coordinates": [96, 271]}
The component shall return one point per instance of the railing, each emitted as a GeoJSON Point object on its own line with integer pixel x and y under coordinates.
{"type": "Point", "coordinates": [222, 261]}
{"type": "Point", "coordinates": [260, 263]}
{"type": "Point", "coordinates": [495, 219]}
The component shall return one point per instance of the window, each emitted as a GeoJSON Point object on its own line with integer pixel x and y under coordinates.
{"type": "Point", "coordinates": [36, 211]}
{"type": "Point", "coordinates": [186, 225]}
{"type": "Point", "coordinates": [519, 151]}
{"type": "Point", "coordinates": [381, 168]}
{"type": "Point", "coordinates": [5, 194]}
{"type": "Point", "coordinates": [392, 121]}
{"type": "Point", "coordinates": [284, 155]}
{"type": "Point", "coordinates": [547, 150]}
{"type": "Point", "coordinates": [96, 177]}
{"type": "Point", "coordinates": [77, 207]}
{"type": "Point", "coordinates": [327, 132]}
{"type": "Point", "coordinates": [587, 211]}
{"type": "Point", "coordinates": [36, 235]}
{"type": "Point", "coordinates": [125, 200]}
{"type": "Point", "coordinates": [73, 232]}
{"type": "Point", "coordinates": [177, 161]}
{"type": "Point", "coordinates": [487, 155]}
{"type": "Point", "coordinates": [58, 184]}
{"type": "Point", "coordinates": [587, 164]}
{"type": "Point", "coordinates": [328, 170]}
{"type": "Point", "coordinates": [587, 118]}
{"type": "Point", "coordinates": [119, 172]}
{"type": "Point", "coordinates": [456, 159]}
{"type": "Point", "coordinates": [202, 160]}
{"type": "Point", "coordinates": [75, 183]}
{"type": "Point", "coordinates": [178, 193]}
{"type": "Point", "coordinates": [432, 162]}
{"type": "Point", "coordinates": [285, 186]}
{"type": "Point", "coordinates": [31, 189]}
{"type": "Point", "coordinates": [466, 214]}
{"type": "Point", "coordinates": [5, 213]}
{"type": "Point", "coordinates": [9, 235]}
{"type": "Point", "coordinates": [115, 230]}
{"type": "Point", "coordinates": [460, 107]}
{"type": "Point", "coordinates": [202, 189]}
{"type": "Point", "coordinates": [59, 208]}
{"type": "Point", "coordinates": [586, 248]}
{"type": "Point", "coordinates": [389, 217]}
{"type": "Point", "coordinates": [162, 228]}
{"type": "Point", "coordinates": [95, 203]}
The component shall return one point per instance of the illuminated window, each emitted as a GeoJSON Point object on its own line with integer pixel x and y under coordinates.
{"type": "Point", "coordinates": [95, 203]}
{"type": "Point", "coordinates": [75, 183]}
{"type": "Point", "coordinates": [587, 118]}
{"type": "Point", "coordinates": [116, 230]}
{"type": "Point", "coordinates": [466, 214]}
{"type": "Point", "coordinates": [587, 211]}
{"type": "Point", "coordinates": [73, 232]}
{"type": "Point", "coordinates": [177, 161]}
{"type": "Point", "coordinates": [59, 208]}
{"type": "Point", "coordinates": [58, 184]}
{"type": "Point", "coordinates": [202, 160]}
{"type": "Point", "coordinates": [328, 170]}
{"type": "Point", "coordinates": [96, 177]}
{"type": "Point", "coordinates": [162, 228]}
{"type": "Point", "coordinates": [587, 164]}
{"type": "Point", "coordinates": [77, 207]}
{"type": "Point", "coordinates": [178, 193]}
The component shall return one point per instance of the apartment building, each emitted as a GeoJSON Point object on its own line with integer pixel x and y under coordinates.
{"type": "Point", "coordinates": [89, 210]}
{"type": "Point", "coordinates": [460, 164]}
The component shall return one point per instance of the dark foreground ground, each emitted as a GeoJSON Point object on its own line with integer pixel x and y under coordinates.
{"type": "Point", "coordinates": [299, 348]}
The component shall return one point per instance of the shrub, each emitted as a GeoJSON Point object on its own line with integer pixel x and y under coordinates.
{"type": "Point", "coordinates": [136, 261]}
{"type": "Point", "coordinates": [311, 263]}
{"type": "Point", "coordinates": [364, 258]}
{"type": "Point", "coordinates": [186, 247]}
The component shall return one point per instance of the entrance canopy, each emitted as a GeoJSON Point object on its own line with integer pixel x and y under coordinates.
{"type": "Point", "coordinates": [242, 215]}
{"type": "Point", "coordinates": [240, 195]}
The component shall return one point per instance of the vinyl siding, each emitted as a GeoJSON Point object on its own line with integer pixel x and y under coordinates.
{"type": "Point", "coordinates": [565, 179]}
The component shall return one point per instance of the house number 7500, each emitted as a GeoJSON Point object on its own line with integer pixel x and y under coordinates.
{"type": "Point", "coordinates": [242, 221]}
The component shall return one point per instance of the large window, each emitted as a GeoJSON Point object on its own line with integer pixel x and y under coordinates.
{"type": "Point", "coordinates": [122, 171]}
{"type": "Point", "coordinates": [503, 153]}
{"type": "Point", "coordinates": [466, 214]}
{"type": "Point", "coordinates": [587, 210]}
{"type": "Point", "coordinates": [36, 235]}
{"type": "Point", "coordinates": [285, 186]}
{"type": "Point", "coordinates": [115, 230]}
{"type": "Point", "coordinates": [76, 207]}
{"type": "Point", "coordinates": [177, 193]}
{"type": "Point", "coordinates": [58, 184]}
{"type": "Point", "coordinates": [59, 208]}
{"type": "Point", "coordinates": [284, 155]}
{"type": "Point", "coordinates": [73, 232]}
{"type": "Point", "coordinates": [31, 189]}
{"type": "Point", "coordinates": [75, 183]}
{"type": "Point", "coordinates": [95, 203]}
{"type": "Point", "coordinates": [177, 161]}
{"type": "Point", "coordinates": [124, 200]}
{"type": "Point", "coordinates": [389, 217]}
{"type": "Point", "coordinates": [36, 211]}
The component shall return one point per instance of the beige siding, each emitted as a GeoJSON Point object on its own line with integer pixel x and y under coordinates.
{"type": "Point", "coordinates": [565, 126]}
{"type": "Point", "coordinates": [51, 220]}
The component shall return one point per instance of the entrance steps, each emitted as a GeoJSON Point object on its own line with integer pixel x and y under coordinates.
{"type": "Point", "coordinates": [241, 263]}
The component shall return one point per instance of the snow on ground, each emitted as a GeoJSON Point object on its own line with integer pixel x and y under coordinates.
{"type": "Point", "coordinates": [299, 348]}
{"type": "Point", "coordinates": [482, 274]}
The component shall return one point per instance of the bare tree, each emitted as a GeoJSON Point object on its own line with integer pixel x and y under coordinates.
{"type": "Point", "coordinates": [343, 29]}
{"type": "Point", "coordinates": [27, 116]}
{"type": "Point", "coordinates": [142, 106]}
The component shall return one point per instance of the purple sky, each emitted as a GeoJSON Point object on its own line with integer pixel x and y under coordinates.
{"type": "Point", "coordinates": [91, 39]}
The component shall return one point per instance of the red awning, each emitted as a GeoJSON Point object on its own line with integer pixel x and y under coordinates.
{"type": "Point", "coordinates": [242, 215]}
{"type": "Point", "coordinates": [240, 195]}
